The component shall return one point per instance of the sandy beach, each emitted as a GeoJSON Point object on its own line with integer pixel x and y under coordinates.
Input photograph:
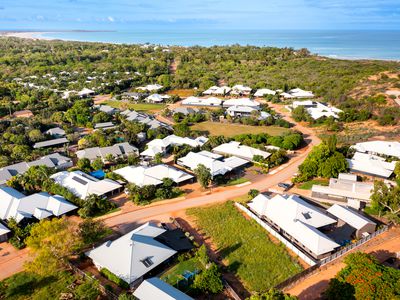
{"type": "Point", "coordinates": [27, 35]}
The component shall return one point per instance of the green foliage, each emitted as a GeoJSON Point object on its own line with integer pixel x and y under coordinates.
{"type": "Point", "coordinates": [126, 297]}
{"type": "Point", "coordinates": [203, 175]}
{"type": "Point", "coordinates": [209, 281]}
{"type": "Point", "coordinates": [253, 193]}
{"type": "Point", "coordinates": [182, 129]}
{"type": "Point", "coordinates": [88, 290]}
{"type": "Point", "coordinates": [323, 161]}
{"type": "Point", "coordinates": [364, 278]}
{"type": "Point", "coordinates": [95, 205]}
{"type": "Point", "coordinates": [268, 264]}
{"type": "Point", "coordinates": [92, 230]}
{"type": "Point", "coordinates": [114, 278]}
{"type": "Point", "coordinates": [300, 113]}
{"type": "Point", "coordinates": [19, 233]}
{"type": "Point", "coordinates": [273, 294]}
{"type": "Point", "coordinates": [146, 193]}
{"type": "Point", "coordinates": [97, 164]}
{"type": "Point", "coordinates": [79, 114]}
{"type": "Point", "coordinates": [202, 255]}
{"type": "Point", "coordinates": [84, 165]}
{"type": "Point", "coordinates": [385, 198]}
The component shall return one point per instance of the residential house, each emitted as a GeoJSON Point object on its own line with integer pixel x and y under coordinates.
{"type": "Point", "coordinates": [215, 90]}
{"type": "Point", "coordinates": [155, 288]}
{"type": "Point", "coordinates": [346, 189]}
{"type": "Point", "coordinates": [4, 231]}
{"type": "Point", "coordinates": [51, 143]}
{"type": "Point", "coordinates": [42, 205]}
{"type": "Point", "coordinates": [370, 164]}
{"type": "Point", "coordinates": [84, 93]}
{"type": "Point", "coordinates": [361, 226]}
{"type": "Point", "coordinates": [56, 132]}
{"type": "Point", "coordinates": [133, 96]}
{"type": "Point", "coordinates": [153, 175]}
{"type": "Point", "coordinates": [162, 145]}
{"type": "Point", "coordinates": [104, 126]}
{"type": "Point", "coordinates": [215, 162]}
{"type": "Point", "coordinates": [263, 92]}
{"type": "Point", "coordinates": [242, 151]}
{"type": "Point", "coordinates": [382, 148]}
{"type": "Point", "coordinates": [316, 109]}
{"type": "Point", "coordinates": [186, 110]}
{"type": "Point", "coordinates": [298, 221]}
{"type": "Point", "coordinates": [107, 109]}
{"type": "Point", "coordinates": [146, 119]}
{"type": "Point", "coordinates": [82, 185]}
{"type": "Point", "coordinates": [242, 102]}
{"type": "Point", "coordinates": [133, 255]}
{"type": "Point", "coordinates": [240, 90]}
{"type": "Point", "coordinates": [23, 114]}
{"type": "Point", "coordinates": [116, 150]}
{"type": "Point", "coordinates": [297, 93]}
{"type": "Point", "coordinates": [54, 160]}
{"type": "Point", "coordinates": [195, 101]}
{"type": "Point", "coordinates": [150, 87]}
{"type": "Point", "coordinates": [157, 98]}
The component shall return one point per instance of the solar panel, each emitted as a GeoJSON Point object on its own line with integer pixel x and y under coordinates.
{"type": "Point", "coordinates": [79, 180]}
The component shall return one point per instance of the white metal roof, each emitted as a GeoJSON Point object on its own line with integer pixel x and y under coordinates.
{"type": "Point", "coordinates": [263, 92]}
{"type": "Point", "coordinates": [241, 109]}
{"type": "Point", "coordinates": [3, 229]}
{"type": "Point", "coordinates": [142, 176]}
{"type": "Point", "coordinates": [371, 164]}
{"type": "Point", "coordinates": [115, 150]}
{"type": "Point", "coordinates": [134, 254]}
{"type": "Point", "coordinates": [298, 218]}
{"type": "Point", "coordinates": [155, 288]}
{"type": "Point", "coordinates": [211, 101]}
{"type": "Point", "coordinates": [85, 92]}
{"type": "Point", "coordinates": [241, 102]}
{"type": "Point", "coordinates": [389, 148]}
{"type": "Point", "coordinates": [349, 216]}
{"type": "Point", "coordinates": [234, 148]}
{"type": "Point", "coordinates": [82, 185]}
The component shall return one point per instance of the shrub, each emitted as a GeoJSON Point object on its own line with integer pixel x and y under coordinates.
{"type": "Point", "coordinates": [114, 278]}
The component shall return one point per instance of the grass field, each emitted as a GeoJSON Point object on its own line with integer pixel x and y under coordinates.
{"type": "Point", "coordinates": [308, 184]}
{"type": "Point", "coordinates": [258, 262]}
{"type": "Point", "coordinates": [139, 107]}
{"type": "Point", "coordinates": [236, 181]}
{"type": "Point", "coordinates": [229, 130]}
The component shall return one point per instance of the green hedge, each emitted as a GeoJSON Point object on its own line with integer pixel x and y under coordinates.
{"type": "Point", "coordinates": [114, 278]}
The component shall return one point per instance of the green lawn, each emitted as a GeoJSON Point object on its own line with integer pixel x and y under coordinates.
{"type": "Point", "coordinates": [174, 275]}
{"type": "Point", "coordinates": [258, 262]}
{"type": "Point", "coordinates": [308, 184]}
{"type": "Point", "coordinates": [229, 130]}
{"type": "Point", "coordinates": [26, 285]}
{"type": "Point", "coordinates": [236, 181]}
{"type": "Point", "coordinates": [139, 107]}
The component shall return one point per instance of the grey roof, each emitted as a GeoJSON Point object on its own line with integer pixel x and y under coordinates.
{"type": "Point", "coordinates": [57, 131]}
{"type": "Point", "coordinates": [104, 125]}
{"type": "Point", "coordinates": [52, 160]}
{"type": "Point", "coordinates": [115, 150]}
{"type": "Point", "coordinates": [186, 110]}
{"type": "Point", "coordinates": [50, 143]}
{"type": "Point", "coordinates": [107, 109]}
{"type": "Point", "coordinates": [155, 288]}
{"type": "Point", "coordinates": [132, 115]}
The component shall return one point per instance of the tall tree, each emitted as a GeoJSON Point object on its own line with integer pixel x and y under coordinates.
{"type": "Point", "coordinates": [203, 175]}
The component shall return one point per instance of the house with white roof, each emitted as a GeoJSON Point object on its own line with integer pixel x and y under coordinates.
{"type": "Point", "coordinates": [155, 288]}
{"type": "Point", "coordinates": [297, 93]}
{"type": "Point", "coordinates": [116, 150]}
{"type": "Point", "coordinates": [215, 162]}
{"type": "Point", "coordinates": [153, 175]}
{"type": "Point", "coordinates": [162, 145]}
{"type": "Point", "coordinates": [56, 132]}
{"type": "Point", "coordinates": [150, 87]}
{"type": "Point", "coordinates": [195, 101]}
{"type": "Point", "coordinates": [51, 143]}
{"type": "Point", "coordinates": [317, 109]}
{"type": "Point", "coordinates": [345, 189]}
{"type": "Point", "coordinates": [157, 98]}
{"type": "Point", "coordinates": [383, 148]}
{"type": "Point", "coordinates": [84, 93]}
{"type": "Point", "coordinates": [242, 151]}
{"type": "Point", "coordinates": [132, 255]}
{"type": "Point", "coordinates": [146, 119]}
{"type": "Point", "coordinates": [241, 102]}
{"type": "Point", "coordinates": [347, 216]}
{"type": "Point", "coordinates": [82, 185]}
{"type": "Point", "coordinates": [4, 231]}
{"type": "Point", "coordinates": [370, 164]}
{"type": "Point", "coordinates": [241, 90]}
{"type": "Point", "coordinates": [107, 109]}
{"type": "Point", "coordinates": [42, 205]}
{"type": "Point", "coordinates": [298, 221]}
{"type": "Point", "coordinates": [263, 92]}
{"type": "Point", "coordinates": [215, 90]}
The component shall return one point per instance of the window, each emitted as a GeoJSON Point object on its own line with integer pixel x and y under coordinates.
{"type": "Point", "coordinates": [147, 262]}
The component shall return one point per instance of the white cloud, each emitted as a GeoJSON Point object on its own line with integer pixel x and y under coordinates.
{"type": "Point", "coordinates": [111, 19]}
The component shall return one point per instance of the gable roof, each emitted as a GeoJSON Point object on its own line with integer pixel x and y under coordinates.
{"type": "Point", "coordinates": [134, 254]}
{"type": "Point", "coordinates": [241, 102]}
{"type": "Point", "coordinates": [115, 150]}
{"type": "Point", "coordinates": [389, 148]}
{"type": "Point", "coordinates": [57, 131]}
{"type": "Point", "coordinates": [155, 288]}
{"type": "Point", "coordinates": [371, 164]}
{"type": "Point", "coordinates": [349, 216]}
{"type": "Point", "coordinates": [82, 185]}
{"type": "Point", "coordinates": [50, 143]}
{"type": "Point", "coordinates": [263, 92]}
{"type": "Point", "coordinates": [298, 218]}
{"type": "Point", "coordinates": [242, 151]}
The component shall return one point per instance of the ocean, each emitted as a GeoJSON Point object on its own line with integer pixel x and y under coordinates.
{"type": "Point", "coordinates": [346, 44]}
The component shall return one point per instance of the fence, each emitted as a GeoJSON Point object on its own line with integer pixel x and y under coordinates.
{"type": "Point", "coordinates": [287, 243]}
{"type": "Point", "coordinates": [108, 293]}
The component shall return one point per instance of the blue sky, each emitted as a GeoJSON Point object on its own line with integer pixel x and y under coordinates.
{"type": "Point", "coordinates": [202, 14]}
